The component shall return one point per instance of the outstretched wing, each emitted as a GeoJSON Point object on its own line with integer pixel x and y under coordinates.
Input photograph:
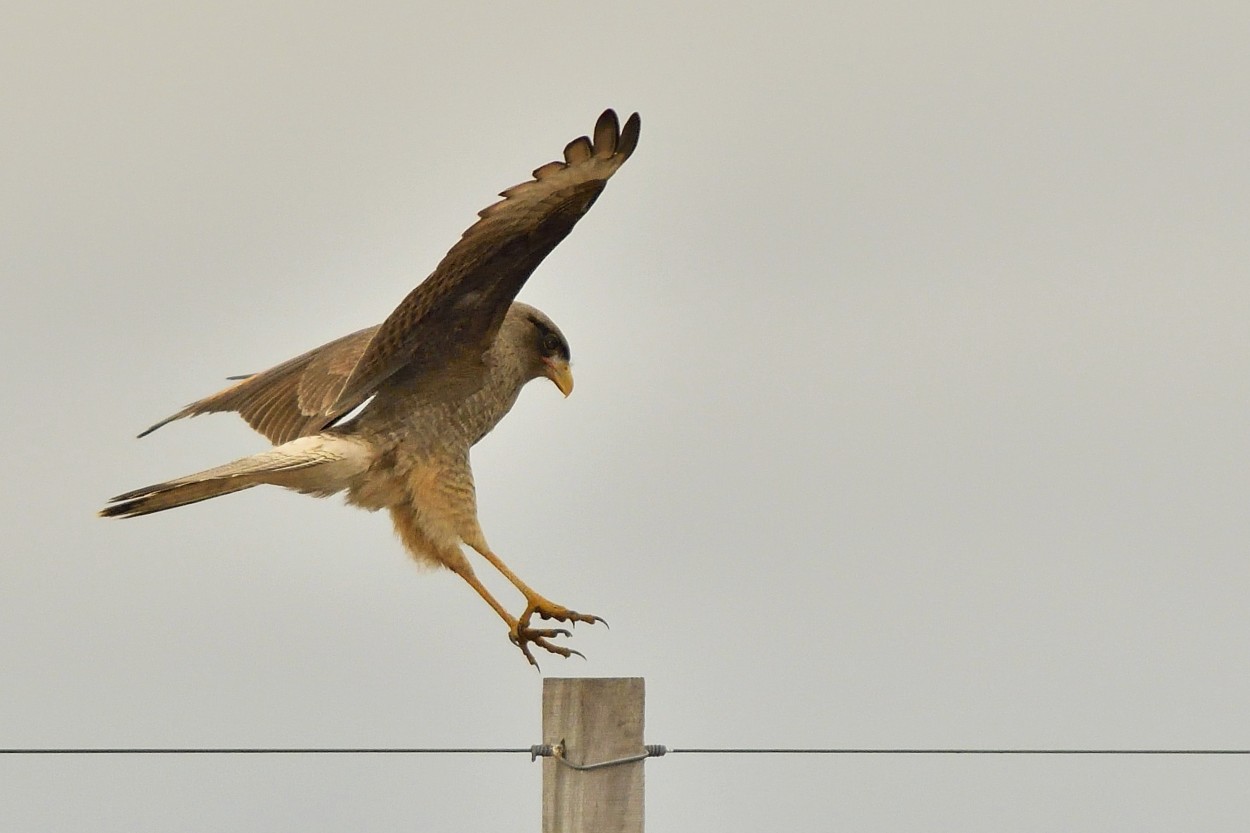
{"type": "Point", "coordinates": [292, 399]}
{"type": "Point", "coordinates": [451, 316]}
{"type": "Point", "coordinates": [454, 314]}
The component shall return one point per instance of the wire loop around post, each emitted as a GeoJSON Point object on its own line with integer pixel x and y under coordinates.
{"type": "Point", "coordinates": [547, 750]}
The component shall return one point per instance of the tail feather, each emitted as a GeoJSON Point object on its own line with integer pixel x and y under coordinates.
{"type": "Point", "coordinates": [320, 465]}
{"type": "Point", "coordinates": [169, 496]}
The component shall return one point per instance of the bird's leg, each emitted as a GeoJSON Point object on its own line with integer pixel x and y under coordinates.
{"type": "Point", "coordinates": [519, 630]}
{"type": "Point", "coordinates": [535, 602]}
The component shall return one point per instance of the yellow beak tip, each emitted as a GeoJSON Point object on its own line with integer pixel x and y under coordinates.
{"type": "Point", "coordinates": [560, 376]}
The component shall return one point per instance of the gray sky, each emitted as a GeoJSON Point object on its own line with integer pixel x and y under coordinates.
{"type": "Point", "coordinates": [911, 352]}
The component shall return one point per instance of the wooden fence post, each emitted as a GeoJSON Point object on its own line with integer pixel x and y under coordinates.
{"type": "Point", "coordinates": [597, 719]}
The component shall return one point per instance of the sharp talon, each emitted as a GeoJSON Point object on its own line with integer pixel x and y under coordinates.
{"type": "Point", "coordinates": [526, 651]}
{"type": "Point", "coordinates": [523, 637]}
{"type": "Point", "coordinates": [546, 633]}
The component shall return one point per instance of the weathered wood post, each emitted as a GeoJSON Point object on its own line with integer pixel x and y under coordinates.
{"type": "Point", "coordinates": [596, 719]}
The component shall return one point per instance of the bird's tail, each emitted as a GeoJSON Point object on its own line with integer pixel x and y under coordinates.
{"type": "Point", "coordinates": [319, 465]}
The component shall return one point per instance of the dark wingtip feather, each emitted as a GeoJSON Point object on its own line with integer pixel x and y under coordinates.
{"type": "Point", "coordinates": [160, 424]}
{"type": "Point", "coordinates": [607, 131]}
{"type": "Point", "coordinates": [629, 136]}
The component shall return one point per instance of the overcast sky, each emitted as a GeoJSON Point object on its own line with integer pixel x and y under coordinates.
{"type": "Point", "coordinates": [911, 352]}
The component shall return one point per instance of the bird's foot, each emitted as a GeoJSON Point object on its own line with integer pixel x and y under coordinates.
{"type": "Point", "coordinates": [522, 636]}
{"type": "Point", "coordinates": [550, 610]}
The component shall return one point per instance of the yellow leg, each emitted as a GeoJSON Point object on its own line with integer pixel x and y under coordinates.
{"type": "Point", "coordinates": [535, 602]}
{"type": "Point", "coordinates": [453, 558]}
{"type": "Point", "coordinates": [519, 630]}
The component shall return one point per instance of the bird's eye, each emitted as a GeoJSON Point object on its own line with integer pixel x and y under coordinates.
{"type": "Point", "coordinates": [551, 343]}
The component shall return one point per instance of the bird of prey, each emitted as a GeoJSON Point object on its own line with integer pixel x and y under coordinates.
{"type": "Point", "coordinates": [433, 378]}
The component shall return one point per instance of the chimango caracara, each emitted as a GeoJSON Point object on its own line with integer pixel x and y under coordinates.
{"type": "Point", "coordinates": [433, 378]}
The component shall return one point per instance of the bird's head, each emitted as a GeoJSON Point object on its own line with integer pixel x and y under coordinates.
{"type": "Point", "coordinates": [543, 345]}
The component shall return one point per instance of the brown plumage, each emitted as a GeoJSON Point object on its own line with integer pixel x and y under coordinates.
{"type": "Point", "coordinates": [434, 378]}
{"type": "Point", "coordinates": [291, 399]}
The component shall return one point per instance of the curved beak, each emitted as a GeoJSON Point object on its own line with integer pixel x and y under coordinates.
{"type": "Point", "coordinates": [559, 373]}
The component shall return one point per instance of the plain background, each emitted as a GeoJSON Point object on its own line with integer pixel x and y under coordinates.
{"type": "Point", "coordinates": [912, 358]}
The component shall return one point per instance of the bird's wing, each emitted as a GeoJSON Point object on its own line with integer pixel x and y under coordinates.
{"type": "Point", "coordinates": [454, 314]}
{"type": "Point", "coordinates": [292, 399]}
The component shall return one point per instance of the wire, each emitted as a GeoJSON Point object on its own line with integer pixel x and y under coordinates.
{"type": "Point", "coordinates": [528, 750]}
{"type": "Point", "coordinates": [924, 751]}
{"type": "Point", "coordinates": [276, 750]}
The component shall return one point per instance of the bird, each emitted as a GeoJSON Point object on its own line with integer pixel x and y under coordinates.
{"type": "Point", "coordinates": [388, 414]}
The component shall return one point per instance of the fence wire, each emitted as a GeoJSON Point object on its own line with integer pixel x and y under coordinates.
{"type": "Point", "coordinates": [530, 750]}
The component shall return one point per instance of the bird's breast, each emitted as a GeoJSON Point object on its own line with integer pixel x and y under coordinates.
{"type": "Point", "coordinates": [441, 416]}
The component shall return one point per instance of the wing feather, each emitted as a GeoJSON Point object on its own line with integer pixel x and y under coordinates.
{"type": "Point", "coordinates": [454, 313]}
{"type": "Point", "coordinates": [607, 131]}
{"type": "Point", "coordinates": [578, 151]}
{"type": "Point", "coordinates": [548, 169]}
{"type": "Point", "coordinates": [292, 399]}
